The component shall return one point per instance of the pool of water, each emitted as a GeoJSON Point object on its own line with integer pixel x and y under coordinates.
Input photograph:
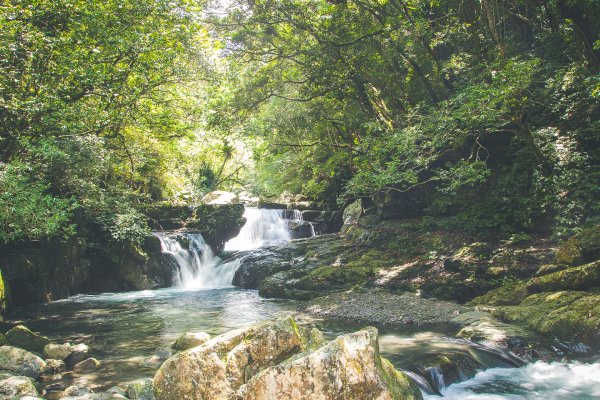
{"type": "Point", "coordinates": [124, 330]}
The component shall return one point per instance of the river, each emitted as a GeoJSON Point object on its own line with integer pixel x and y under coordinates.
{"type": "Point", "coordinates": [126, 330]}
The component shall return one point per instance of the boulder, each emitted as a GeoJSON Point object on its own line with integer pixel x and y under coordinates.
{"type": "Point", "coordinates": [353, 212]}
{"type": "Point", "coordinates": [76, 391]}
{"type": "Point", "coordinates": [190, 339]}
{"type": "Point", "coordinates": [57, 351]}
{"type": "Point", "coordinates": [217, 223]}
{"type": "Point", "coordinates": [17, 386]}
{"type": "Point", "coordinates": [300, 229]}
{"type": "Point", "coordinates": [21, 336]}
{"type": "Point", "coordinates": [54, 366]}
{"type": "Point", "coordinates": [348, 368]}
{"type": "Point", "coordinates": [576, 278]}
{"type": "Point", "coordinates": [216, 370]}
{"type": "Point", "coordinates": [79, 352]}
{"type": "Point", "coordinates": [3, 340]}
{"type": "Point", "coordinates": [569, 315]}
{"type": "Point", "coordinates": [21, 361]}
{"type": "Point", "coordinates": [87, 365]}
{"type": "Point", "coordinates": [581, 248]}
{"type": "Point", "coordinates": [141, 390]}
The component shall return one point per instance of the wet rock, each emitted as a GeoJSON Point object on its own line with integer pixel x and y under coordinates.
{"type": "Point", "coordinates": [300, 229]}
{"type": "Point", "coordinates": [70, 375]}
{"type": "Point", "coordinates": [87, 365]}
{"type": "Point", "coordinates": [141, 389]}
{"type": "Point", "coordinates": [57, 351]}
{"type": "Point", "coordinates": [302, 205]}
{"type": "Point", "coordinates": [189, 340]}
{"type": "Point", "coordinates": [348, 368]}
{"type": "Point", "coordinates": [581, 248]}
{"type": "Point", "coordinates": [218, 368]}
{"type": "Point", "coordinates": [20, 336]}
{"type": "Point", "coordinates": [55, 387]}
{"type": "Point", "coordinates": [76, 391]}
{"type": "Point", "coordinates": [217, 223]}
{"type": "Point", "coordinates": [17, 386]}
{"type": "Point", "coordinates": [481, 327]}
{"type": "Point", "coordinates": [53, 366]}
{"type": "Point", "coordinates": [156, 360]}
{"type": "Point", "coordinates": [3, 340]}
{"type": "Point", "coordinates": [116, 390]}
{"type": "Point", "coordinates": [79, 352]}
{"type": "Point", "coordinates": [21, 362]}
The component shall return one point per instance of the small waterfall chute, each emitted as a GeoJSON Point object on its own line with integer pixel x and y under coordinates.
{"type": "Point", "coordinates": [196, 265]}
{"type": "Point", "coordinates": [264, 227]}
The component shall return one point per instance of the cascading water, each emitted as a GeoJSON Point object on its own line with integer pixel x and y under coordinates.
{"type": "Point", "coordinates": [263, 227]}
{"type": "Point", "coordinates": [196, 266]}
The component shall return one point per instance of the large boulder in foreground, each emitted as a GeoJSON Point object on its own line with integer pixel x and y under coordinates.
{"type": "Point", "coordinates": [276, 360]}
{"type": "Point", "coordinates": [216, 370]}
{"type": "Point", "coordinates": [21, 362]}
{"type": "Point", "coordinates": [348, 368]}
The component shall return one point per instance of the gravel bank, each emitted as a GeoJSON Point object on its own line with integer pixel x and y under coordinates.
{"type": "Point", "coordinates": [384, 309]}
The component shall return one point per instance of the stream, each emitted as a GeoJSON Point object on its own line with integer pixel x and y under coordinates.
{"type": "Point", "coordinates": [131, 333]}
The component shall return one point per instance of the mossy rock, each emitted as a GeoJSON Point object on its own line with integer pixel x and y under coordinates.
{"type": "Point", "coordinates": [568, 315]}
{"type": "Point", "coordinates": [581, 248]}
{"type": "Point", "coordinates": [456, 288]}
{"type": "Point", "coordinates": [361, 269]}
{"type": "Point", "coordinates": [576, 278]}
{"type": "Point", "coordinates": [509, 294]}
{"type": "Point", "coordinates": [20, 336]}
{"type": "Point", "coordinates": [336, 276]}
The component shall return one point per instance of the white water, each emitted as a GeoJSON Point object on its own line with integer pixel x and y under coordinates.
{"type": "Point", "coordinates": [539, 380]}
{"type": "Point", "coordinates": [197, 266]}
{"type": "Point", "coordinates": [263, 227]}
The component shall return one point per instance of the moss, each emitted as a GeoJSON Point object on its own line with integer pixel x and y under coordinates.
{"type": "Point", "coordinates": [3, 296]}
{"type": "Point", "coordinates": [399, 384]}
{"type": "Point", "coordinates": [576, 278]}
{"type": "Point", "coordinates": [511, 293]}
{"type": "Point", "coordinates": [337, 276]}
{"type": "Point", "coordinates": [569, 315]}
{"type": "Point", "coordinates": [581, 248]}
{"type": "Point", "coordinates": [456, 288]}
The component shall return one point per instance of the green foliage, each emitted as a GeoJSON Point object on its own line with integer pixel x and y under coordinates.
{"type": "Point", "coordinates": [26, 210]}
{"type": "Point", "coordinates": [363, 99]}
{"type": "Point", "coordinates": [96, 99]}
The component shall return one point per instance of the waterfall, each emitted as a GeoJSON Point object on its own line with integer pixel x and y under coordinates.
{"type": "Point", "coordinates": [264, 227]}
{"type": "Point", "coordinates": [196, 265]}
